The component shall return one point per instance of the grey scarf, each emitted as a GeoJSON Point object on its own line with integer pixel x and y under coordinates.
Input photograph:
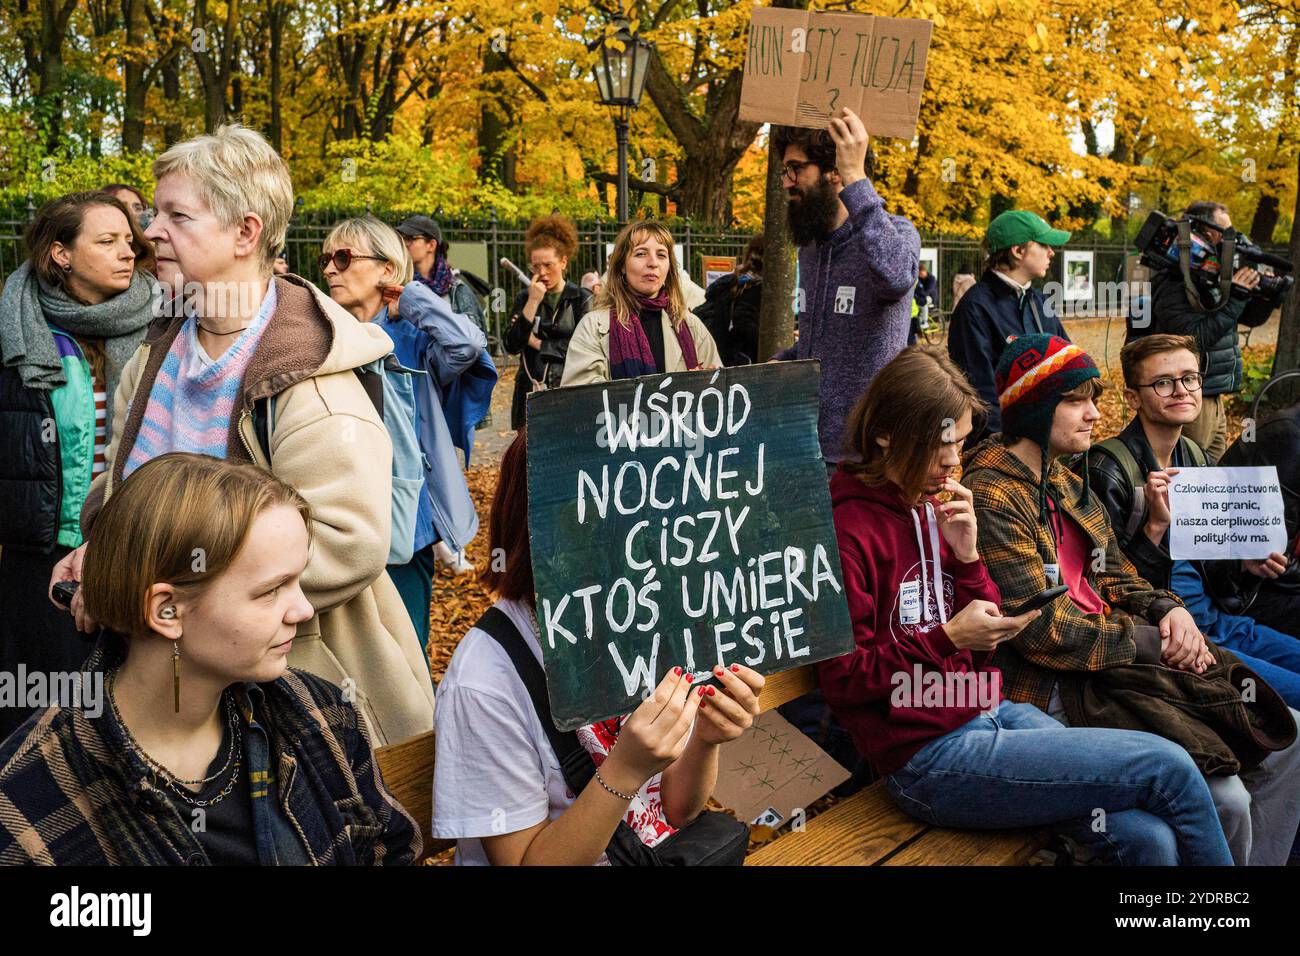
{"type": "Point", "coordinates": [29, 307]}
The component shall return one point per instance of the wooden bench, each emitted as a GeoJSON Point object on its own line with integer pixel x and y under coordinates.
{"type": "Point", "coordinates": [866, 829]}
{"type": "Point", "coordinates": [407, 769]}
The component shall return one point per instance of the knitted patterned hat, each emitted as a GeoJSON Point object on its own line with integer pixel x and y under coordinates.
{"type": "Point", "coordinates": [1034, 373]}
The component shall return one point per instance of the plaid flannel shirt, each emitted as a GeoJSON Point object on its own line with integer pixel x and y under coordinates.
{"type": "Point", "coordinates": [1015, 544]}
{"type": "Point", "coordinates": [72, 792]}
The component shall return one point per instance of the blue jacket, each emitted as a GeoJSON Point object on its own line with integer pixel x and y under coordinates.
{"type": "Point", "coordinates": [458, 389]}
{"type": "Point", "coordinates": [988, 316]}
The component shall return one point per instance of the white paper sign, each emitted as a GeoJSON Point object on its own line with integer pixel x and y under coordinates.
{"type": "Point", "coordinates": [1220, 513]}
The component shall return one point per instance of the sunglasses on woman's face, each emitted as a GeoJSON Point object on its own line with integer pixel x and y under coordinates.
{"type": "Point", "coordinates": [342, 258]}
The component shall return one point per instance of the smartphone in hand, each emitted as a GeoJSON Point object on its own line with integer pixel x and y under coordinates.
{"type": "Point", "coordinates": [63, 592]}
{"type": "Point", "coordinates": [1039, 600]}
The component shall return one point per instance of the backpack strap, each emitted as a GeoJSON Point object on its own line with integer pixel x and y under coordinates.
{"type": "Point", "coordinates": [1193, 452]}
{"type": "Point", "coordinates": [575, 762]}
{"type": "Point", "coordinates": [1121, 455]}
{"type": "Point", "coordinates": [372, 381]}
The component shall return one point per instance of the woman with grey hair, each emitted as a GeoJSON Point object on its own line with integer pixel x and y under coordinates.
{"type": "Point", "coordinates": [369, 271]}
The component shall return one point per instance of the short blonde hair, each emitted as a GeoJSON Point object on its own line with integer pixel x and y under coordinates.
{"type": "Point", "coordinates": [236, 171]}
{"type": "Point", "coordinates": [180, 518]}
{"type": "Point", "coordinates": [617, 294]}
{"type": "Point", "coordinates": [378, 237]}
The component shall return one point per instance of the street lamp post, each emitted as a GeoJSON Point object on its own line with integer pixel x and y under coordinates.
{"type": "Point", "coordinates": [620, 71]}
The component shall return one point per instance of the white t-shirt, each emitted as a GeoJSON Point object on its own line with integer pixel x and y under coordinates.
{"type": "Point", "coordinates": [496, 772]}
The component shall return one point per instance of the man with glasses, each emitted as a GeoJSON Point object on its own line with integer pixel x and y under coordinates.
{"type": "Point", "coordinates": [1004, 305]}
{"type": "Point", "coordinates": [1215, 332]}
{"type": "Point", "coordinates": [857, 266]}
{"type": "Point", "coordinates": [1130, 474]}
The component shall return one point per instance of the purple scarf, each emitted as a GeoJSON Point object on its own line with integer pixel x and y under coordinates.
{"type": "Point", "coordinates": [442, 278]}
{"type": "Point", "coordinates": [629, 349]}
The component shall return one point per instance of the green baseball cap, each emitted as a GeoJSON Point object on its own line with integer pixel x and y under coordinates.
{"type": "Point", "coordinates": [1019, 225]}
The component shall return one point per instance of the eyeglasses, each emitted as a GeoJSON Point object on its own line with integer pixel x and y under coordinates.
{"type": "Point", "coordinates": [793, 169]}
{"type": "Point", "coordinates": [342, 258]}
{"type": "Point", "coordinates": [1164, 387]}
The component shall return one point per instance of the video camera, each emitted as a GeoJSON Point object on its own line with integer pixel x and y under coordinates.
{"type": "Point", "coordinates": [1158, 240]}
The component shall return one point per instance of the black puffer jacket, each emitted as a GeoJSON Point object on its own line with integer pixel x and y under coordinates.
{"type": "Point", "coordinates": [31, 479]}
{"type": "Point", "coordinates": [1215, 334]}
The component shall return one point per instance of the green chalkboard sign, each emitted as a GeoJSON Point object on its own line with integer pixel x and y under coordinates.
{"type": "Point", "coordinates": [679, 520]}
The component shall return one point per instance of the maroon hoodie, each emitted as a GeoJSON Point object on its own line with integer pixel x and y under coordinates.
{"type": "Point", "coordinates": [889, 691]}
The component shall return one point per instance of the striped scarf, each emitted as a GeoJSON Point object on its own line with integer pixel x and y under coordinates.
{"type": "Point", "coordinates": [190, 404]}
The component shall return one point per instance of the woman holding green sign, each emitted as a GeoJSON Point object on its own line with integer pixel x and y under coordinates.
{"type": "Point", "coordinates": [639, 324]}
{"type": "Point", "coordinates": [513, 790]}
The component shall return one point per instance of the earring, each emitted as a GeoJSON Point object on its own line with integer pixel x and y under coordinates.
{"type": "Point", "coordinates": [67, 268]}
{"type": "Point", "coordinates": [176, 674]}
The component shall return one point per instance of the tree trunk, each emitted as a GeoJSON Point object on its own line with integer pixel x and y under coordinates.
{"type": "Point", "coordinates": [173, 129]}
{"type": "Point", "coordinates": [1287, 356]}
{"type": "Point", "coordinates": [135, 79]}
{"type": "Point", "coordinates": [275, 15]}
{"type": "Point", "coordinates": [712, 146]}
{"type": "Point", "coordinates": [1265, 219]}
{"type": "Point", "coordinates": [48, 64]}
{"type": "Point", "coordinates": [776, 308]}
{"type": "Point", "coordinates": [776, 313]}
{"type": "Point", "coordinates": [1120, 154]}
{"type": "Point", "coordinates": [496, 152]}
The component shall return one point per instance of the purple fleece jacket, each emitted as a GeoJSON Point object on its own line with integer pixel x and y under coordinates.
{"type": "Point", "coordinates": [855, 305]}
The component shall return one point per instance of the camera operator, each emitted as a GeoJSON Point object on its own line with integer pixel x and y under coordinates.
{"type": "Point", "coordinates": [1215, 332]}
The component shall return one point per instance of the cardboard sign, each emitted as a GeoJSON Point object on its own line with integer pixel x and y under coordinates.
{"type": "Point", "coordinates": [802, 67]}
{"type": "Point", "coordinates": [679, 520]}
{"type": "Point", "coordinates": [771, 772]}
{"type": "Point", "coordinates": [1221, 513]}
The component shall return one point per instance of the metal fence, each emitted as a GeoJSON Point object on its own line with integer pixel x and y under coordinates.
{"type": "Point", "coordinates": [308, 229]}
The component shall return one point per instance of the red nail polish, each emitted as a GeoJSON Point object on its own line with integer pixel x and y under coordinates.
{"type": "Point", "coordinates": [718, 670]}
{"type": "Point", "coordinates": [677, 671]}
{"type": "Point", "coordinates": [702, 690]}
{"type": "Point", "coordinates": [735, 668]}
{"type": "Point", "coordinates": [690, 678]}
{"type": "Point", "coordinates": [712, 691]}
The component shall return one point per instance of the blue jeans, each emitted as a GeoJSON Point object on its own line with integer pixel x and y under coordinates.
{"type": "Point", "coordinates": [1137, 795]}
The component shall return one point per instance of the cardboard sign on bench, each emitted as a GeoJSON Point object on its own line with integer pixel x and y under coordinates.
{"type": "Point", "coordinates": [772, 771]}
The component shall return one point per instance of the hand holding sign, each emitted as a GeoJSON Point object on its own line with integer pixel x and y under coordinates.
{"type": "Point", "coordinates": [725, 716]}
{"type": "Point", "coordinates": [851, 141]}
{"type": "Point", "coordinates": [1270, 567]}
{"type": "Point", "coordinates": [654, 735]}
{"type": "Point", "coordinates": [1157, 499]}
